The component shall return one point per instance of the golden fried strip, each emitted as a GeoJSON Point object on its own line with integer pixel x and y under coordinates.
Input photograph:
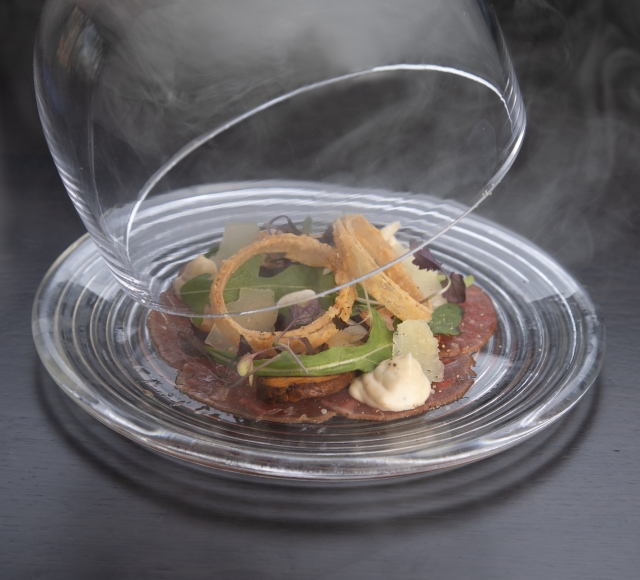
{"type": "Point", "coordinates": [381, 251]}
{"type": "Point", "coordinates": [358, 262]}
{"type": "Point", "coordinates": [301, 249]}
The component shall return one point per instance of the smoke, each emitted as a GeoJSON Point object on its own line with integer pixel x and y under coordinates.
{"type": "Point", "coordinates": [140, 80]}
{"type": "Point", "coordinates": [573, 189]}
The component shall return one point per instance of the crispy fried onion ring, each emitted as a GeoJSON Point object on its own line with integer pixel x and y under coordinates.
{"type": "Point", "coordinates": [382, 252]}
{"type": "Point", "coordinates": [304, 250]}
{"type": "Point", "coordinates": [362, 249]}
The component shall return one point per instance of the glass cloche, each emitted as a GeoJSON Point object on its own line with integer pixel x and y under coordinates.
{"type": "Point", "coordinates": [170, 120]}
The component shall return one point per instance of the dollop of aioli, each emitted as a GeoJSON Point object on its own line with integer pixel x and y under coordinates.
{"type": "Point", "coordinates": [397, 384]}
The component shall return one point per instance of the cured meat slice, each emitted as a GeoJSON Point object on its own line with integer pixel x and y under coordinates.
{"type": "Point", "coordinates": [478, 324]}
{"type": "Point", "coordinates": [169, 334]}
{"type": "Point", "coordinates": [200, 380]}
{"type": "Point", "coordinates": [456, 382]}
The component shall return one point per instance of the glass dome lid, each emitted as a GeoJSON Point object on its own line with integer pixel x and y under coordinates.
{"type": "Point", "coordinates": [260, 134]}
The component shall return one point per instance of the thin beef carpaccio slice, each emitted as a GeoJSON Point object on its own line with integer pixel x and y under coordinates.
{"type": "Point", "coordinates": [201, 380]}
{"type": "Point", "coordinates": [456, 382]}
{"type": "Point", "coordinates": [170, 333]}
{"type": "Point", "coordinates": [479, 322]}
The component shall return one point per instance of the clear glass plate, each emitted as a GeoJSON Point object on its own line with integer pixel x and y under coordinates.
{"type": "Point", "coordinates": [544, 356]}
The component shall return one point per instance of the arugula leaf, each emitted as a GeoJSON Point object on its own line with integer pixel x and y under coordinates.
{"type": "Point", "coordinates": [195, 292]}
{"type": "Point", "coordinates": [244, 277]}
{"type": "Point", "coordinates": [328, 300]}
{"type": "Point", "coordinates": [295, 277]}
{"type": "Point", "coordinates": [446, 319]}
{"type": "Point", "coordinates": [307, 225]}
{"type": "Point", "coordinates": [338, 359]}
{"type": "Point", "coordinates": [220, 356]}
{"type": "Point", "coordinates": [213, 250]}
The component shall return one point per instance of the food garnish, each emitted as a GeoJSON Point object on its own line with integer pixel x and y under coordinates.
{"type": "Point", "coordinates": [415, 337]}
{"type": "Point", "coordinates": [236, 236]}
{"type": "Point", "coordinates": [457, 291]}
{"type": "Point", "coordinates": [302, 249]}
{"type": "Point", "coordinates": [446, 319]}
{"type": "Point", "coordinates": [455, 286]}
{"type": "Point", "coordinates": [396, 384]}
{"type": "Point", "coordinates": [200, 267]}
{"type": "Point", "coordinates": [393, 345]}
{"type": "Point", "coordinates": [423, 258]}
{"type": "Point", "coordinates": [396, 291]}
{"type": "Point", "coordinates": [335, 360]}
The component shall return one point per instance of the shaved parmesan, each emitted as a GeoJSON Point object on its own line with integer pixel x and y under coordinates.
{"type": "Point", "coordinates": [235, 237]}
{"type": "Point", "coordinates": [254, 299]}
{"type": "Point", "coordinates": [249, 299]}
{"type": "Point", "coordinates": [219, 341]}
{"type": "Point", "coordinates": [415, 337]}
{"type": "Point", "coordinates": [427, 281]}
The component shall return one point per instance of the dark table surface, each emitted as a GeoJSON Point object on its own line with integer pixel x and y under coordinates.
{"type": "Point", "coordinates": [79, 501]}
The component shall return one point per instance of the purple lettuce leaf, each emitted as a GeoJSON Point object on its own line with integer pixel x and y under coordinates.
{"type": "Point", "coordinates": [424, 259]}
{"type": "Point", "coordinates": [303, 314]}
{"type": "Point", "coordinates": [327, 237]}
{"type": "Point", "coordinates": [274, 268]}
{"type": "Point", "coordinates": [457, 291]}
{"type": "Point", "coordinates": [287, 228]}
{"type": "Point", "coordinates": [244, 348]}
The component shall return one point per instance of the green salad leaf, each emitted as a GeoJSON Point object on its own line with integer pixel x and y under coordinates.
{"type": "Point", "coordinates": [307, 226]}
{"type": "Point", "coordinates": [295, 277]}
{"type": "Point", "coordinates": [213, 250]}
{"type": "Point", "coordinates": [338, 359]}
{"type": "Point", "coordinates": [446, 319]}
{"type": "Point", "coordinates": [220, 356]}
{"type": "Point", "coordinates": [195, 293]}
